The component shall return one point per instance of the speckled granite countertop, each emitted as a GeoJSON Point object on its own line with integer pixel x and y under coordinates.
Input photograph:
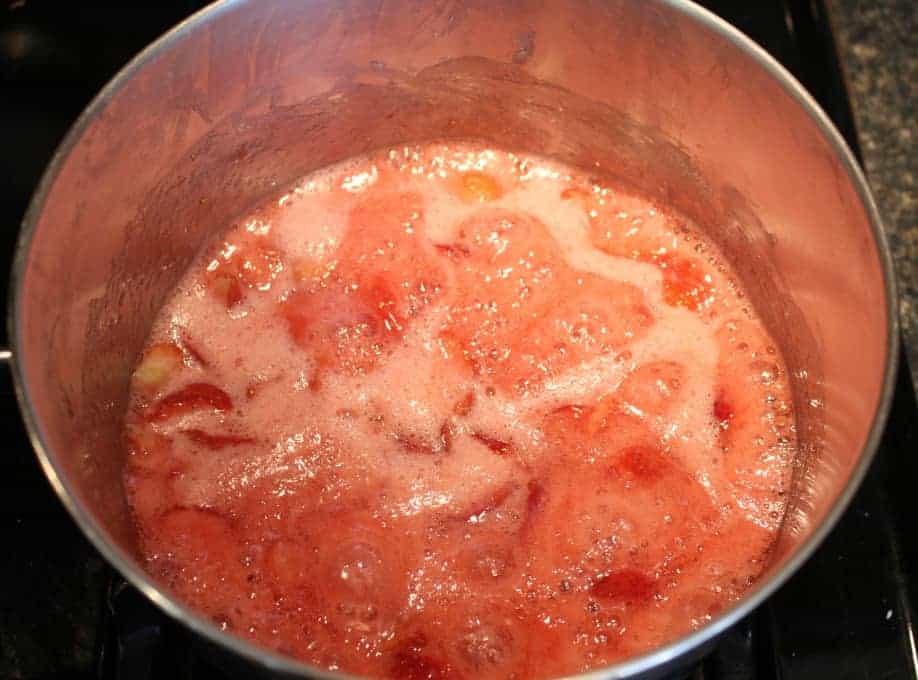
{"type": "Point", "coordinates": [878, 45]}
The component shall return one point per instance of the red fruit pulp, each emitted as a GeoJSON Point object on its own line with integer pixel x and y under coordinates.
{"type": "Point", "coordinates": [463, 414]}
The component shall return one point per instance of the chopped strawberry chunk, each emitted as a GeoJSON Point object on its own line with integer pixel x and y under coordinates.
{"type": "Point", "coordinates": [204, 540]}
{"type": "Point", "coordinates": [413, 443]}
{"type": "Point", "coordinates": [191, 349]}
{"type": "Point", "coordinates": [465, 405]}
{"type": "Point", "coordinates": [626, 227]}
{"type": "Point", "coordinates": [501, 448]}
{"type": "Point", "coordinates": [580, 424]}
{"type": "Point", "coordinates": [536, 497]}
{"type": "Point", "coordinates": [633, 232]}
{"type": "Point", "coordinates": [197, 533]}
{"type": "Point", "coordinates": [383, 279]}
{"type": "Point", "coordinates": [576, 194]}
{"type": "Point", "coordinates": [594, 317]}
{"type": "Point", "coordinates": [410, 664]}
{"type": "Point", "coordinates": [385, 255]}
{"type": "Point", "coordinates": [684, 282]}
{"type": "Point", "coordinates": [289, 564]}
{"type": "Point", "coordinates": [454, 251]}
{"type": "Point", "coordinates": [723, 411]}
{"type": "Point", "coordinates": [739, 405]}
{"type": "Point", "coordinates": [159, 363]}
{"type": "Point", "coordinates": [193, 397]}
{"type": "Point", "coordinates": [226, 287]}
{"type": "Point", "coordinates": [652, 388]}
{"type": "Point", "coordinates": [628, 586]}
{"type": "Point", "coordinates": [526, 316]}
{"type": "Point", "coordinates": [216, 442]}
{"type": "Point", "coordinates": [446, 437]}
{"type": "Point", "coordinates": [148, 464]}
{"type": "Point", "coordinates": [487, 645]}
{"type": "Point", "coordinates": [477, 187]}
{"type": "Point", "coordinates": [143, 441]}
{"type": "Point", "coordinates": [343, 331]}
{"type": "Point", "coordinates": [488, 562]}
{"type": "Point", "coordinates": [641, 463]}
{"type": "Point", "coordinates": [247, 261]}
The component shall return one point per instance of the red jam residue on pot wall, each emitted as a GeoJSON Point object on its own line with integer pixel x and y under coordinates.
{"type": "Point", "coordinates": [448, 412]}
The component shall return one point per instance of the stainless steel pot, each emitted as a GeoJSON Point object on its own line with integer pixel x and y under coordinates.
{"type": "Point", "coordinates": [246, 96]}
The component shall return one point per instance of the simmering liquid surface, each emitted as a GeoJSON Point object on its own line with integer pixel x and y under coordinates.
{"type": "Point", "coordinates": [451, 412]}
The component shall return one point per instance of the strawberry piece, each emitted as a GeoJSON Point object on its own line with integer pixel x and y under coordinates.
{"type": "Point", "coordinates": [623, 462]}
{"type": "Point", "coordinates": [604, 427]}
{"type": "Point", "coordinates": [446, 437]}
{"type": "Point", "coordinates": [641, 463]}
{"type": "Point", "coordinates": [628, 586]}
{"type": "Point", "coordinates": [384, 253]}
{"type": "Point", "coordinates": [489, 501]}
{"type": "Point", "coordinates": [343, 331]}
{"type": "Point", "coordinates": [487, 645]}
{"type": "Point", "coordinates": [488, 562]}
{"type": "Point", "coordinates": [384, 277]}
{"type": "Point", "coordinates": [410, 664]}
{"type": "Point", "coordinates": [477, 187]}
{"type": "Point", "coordinates": [226, 287]}
{"type": "Point", "coordinates": [465, 405]}
{"type": "Point", "coordinates": [190, 348]}
{"type": "Point", "coordinates": [355, 573]}
{"type": "Point", "coordinates": [197, 534]}
{"type": "Point", "coordinates": [525, 315]}
{"type": "Point", "coordinates": [593, 317]}
{"type": "Point", "coordinates": [159, 363]}
{"type": "Point", "coordinates": [723, 410]}
{"type": "Point", "coordinates": [578, 194]}
{"type": "Point", "coordinates": [536, 499]}
{"type": "Point", "coordinates": [147, 468]}
{"type": "Point", "coordinates": [739, 400]}
{"type": "Point", "coordinates": [501, 448]}
{"type": "Point", "coordinates": [142, 440]}
{"type": "Point", "coordinates": [652, 388]}
{"type": "Point", "coordinates": [288, 565]}
{"type": "Point", "coordinates": [415, 444]}
{"type": "Point", "coordinates": [503, 284]}
{"type": "Point", "coordinates": [193, 397]}
{"type": "Point", "coordinates": [204, 542]}
{"type": "Point", "coordinates": [246, 262]}
{"type": "Point", "coordinates": [147, 449]}
{"type": "Point", "coordinates": [625, 227]}
{"type": "Point", "coordinates": [483, 637]}
{"type": "Point", "coordinates": [454, 251]}
{"type": "Point", "coordinates": [216, 442]}
{"type": "Point", "coordinates": [684, 282]}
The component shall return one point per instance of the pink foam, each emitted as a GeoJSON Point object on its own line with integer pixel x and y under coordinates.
{"type": "Point", "coordinates": [424, 432]}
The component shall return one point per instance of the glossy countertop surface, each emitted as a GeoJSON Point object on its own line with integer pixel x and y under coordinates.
{"type": "Point", "coordinates": [878, 48]}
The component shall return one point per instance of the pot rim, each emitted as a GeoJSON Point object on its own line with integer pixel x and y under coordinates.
{"type": "Point", "coordinates": [272, 661]}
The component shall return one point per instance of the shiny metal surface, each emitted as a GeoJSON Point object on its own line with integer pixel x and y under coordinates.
{"type": "Point", "coordinates": [246, 96]}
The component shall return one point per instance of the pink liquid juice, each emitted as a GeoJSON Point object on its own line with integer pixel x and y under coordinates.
{"type": "Point", "coordinates": [449, 412]}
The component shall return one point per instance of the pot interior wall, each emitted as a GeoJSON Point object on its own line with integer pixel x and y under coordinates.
{"type": "Point", "coordinates": [231, 110]}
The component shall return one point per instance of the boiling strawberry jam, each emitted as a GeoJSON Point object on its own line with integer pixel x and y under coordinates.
{"type": "Point", "coordinates": [450, 412]}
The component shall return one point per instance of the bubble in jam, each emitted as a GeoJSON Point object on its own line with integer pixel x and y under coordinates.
{"type": "Point", "coordinates": [450, 412]}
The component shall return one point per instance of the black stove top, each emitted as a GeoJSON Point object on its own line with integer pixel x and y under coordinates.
{"type": "Point", "coordinates": [847, 614]}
